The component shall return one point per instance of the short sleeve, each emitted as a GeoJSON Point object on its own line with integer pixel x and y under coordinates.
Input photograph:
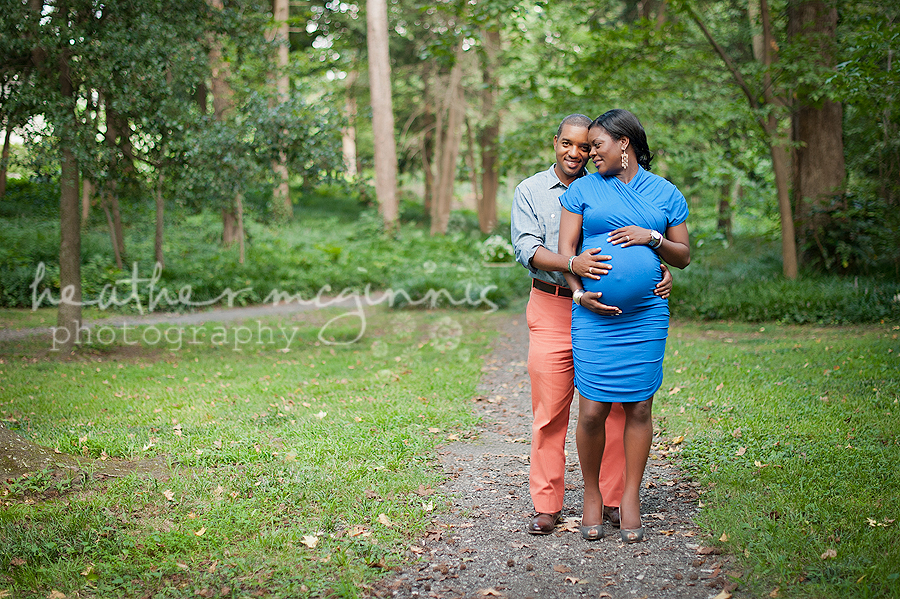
{"type": "Point", "coordinates": [677, 209]}
{"type": "Point", "coordinates": [572, 199]}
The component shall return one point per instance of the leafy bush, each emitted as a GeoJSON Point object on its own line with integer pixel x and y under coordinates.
{"type": "Point", "coordinates": [335, 244]}
{"type": "Point", "coordinates": [28, 198]}
{"type": "Point", "coordinates": [497, 249]}
{"type": "Point", "coordinates": [744, 283]}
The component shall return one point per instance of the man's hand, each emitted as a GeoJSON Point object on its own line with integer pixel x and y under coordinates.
{"type": "Point", "coordinates": [664, 287]}
{"type": "Point", "coordinates": [590, 264]}
{"type": "Point", "coordinates": [591, 301]}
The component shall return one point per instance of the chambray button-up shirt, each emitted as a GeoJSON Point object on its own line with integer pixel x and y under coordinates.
{"type": "Point", "coordinates": [534, 221]}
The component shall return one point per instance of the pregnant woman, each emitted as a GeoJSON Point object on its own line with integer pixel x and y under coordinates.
{"type": "Point", "coordinates": [637, 218]}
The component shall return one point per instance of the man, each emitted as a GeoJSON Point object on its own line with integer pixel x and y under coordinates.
{"type": "Point", "coordinates": [535, 232]}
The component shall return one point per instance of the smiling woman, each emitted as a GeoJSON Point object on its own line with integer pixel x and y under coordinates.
{"type": "Point", "coordinates": [625, 210]}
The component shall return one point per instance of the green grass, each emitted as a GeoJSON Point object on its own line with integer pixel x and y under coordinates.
{"type": "Point", "coordinates": [264, 453]}
{"type": "Point", "coordinates": [795, 434]}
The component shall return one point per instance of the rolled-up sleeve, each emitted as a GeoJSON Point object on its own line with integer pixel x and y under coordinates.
{"type": "Point", "coordinates": [525, 228]}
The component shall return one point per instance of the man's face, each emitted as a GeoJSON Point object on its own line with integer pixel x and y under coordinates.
{"type": "Point", "coordinates": [572, 149]}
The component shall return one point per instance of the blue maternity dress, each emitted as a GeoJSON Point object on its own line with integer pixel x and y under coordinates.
{"type": "Point", "coordinates": [619, 358]}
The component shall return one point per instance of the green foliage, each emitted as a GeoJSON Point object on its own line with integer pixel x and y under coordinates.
{"type": "Point", "coordinates": [856, 234]}
{"type": "Point", "coordinates": [497, 249]}
{"type": "Point", "coordinates": [744, 283]}
{"type": "Point", "coordinates": [30, 198]}
{"type": "Point", "coordinates": [792, 432]}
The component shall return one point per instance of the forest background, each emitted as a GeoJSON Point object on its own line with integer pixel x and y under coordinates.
{"type": "Point", "coordinates": [216, 135]}
{"type": "Point", "coordinates": [230, 145]}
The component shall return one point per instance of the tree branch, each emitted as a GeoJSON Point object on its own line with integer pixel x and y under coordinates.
{"type": "Point", "coordinates": [726, 59]}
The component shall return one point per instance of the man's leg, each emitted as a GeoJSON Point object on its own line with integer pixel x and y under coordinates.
{"type": "Point", "coordinates": [552, 387]}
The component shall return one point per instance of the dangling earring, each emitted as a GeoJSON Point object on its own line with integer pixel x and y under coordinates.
{"type": "Point", "coordinates": [624, 161]}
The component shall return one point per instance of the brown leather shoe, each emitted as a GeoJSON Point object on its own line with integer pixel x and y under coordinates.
{"type": "Point", "coordinates": [611, 514]}
{"type": "Point", "coordinates": [543, 524]}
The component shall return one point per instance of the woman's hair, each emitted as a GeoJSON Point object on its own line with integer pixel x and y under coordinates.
{"type": "Point", "coordinates": [621, 123]}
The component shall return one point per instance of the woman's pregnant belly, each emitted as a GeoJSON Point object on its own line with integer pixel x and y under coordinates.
{"type": "Point", "coordinates": [634, 274]}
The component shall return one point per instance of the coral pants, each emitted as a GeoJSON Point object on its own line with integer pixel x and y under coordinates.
{"type": "Point", "coordinates": [552, 388]}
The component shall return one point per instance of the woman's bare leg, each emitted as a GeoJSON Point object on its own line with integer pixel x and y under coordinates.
{"type": "Point", "coordinates": [590, 437]}
{"type": "Point", "coordinates": [638, 437]}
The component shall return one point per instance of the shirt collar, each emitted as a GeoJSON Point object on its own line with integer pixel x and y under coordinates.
{"type": "Point", "coordinates": [554, 178]}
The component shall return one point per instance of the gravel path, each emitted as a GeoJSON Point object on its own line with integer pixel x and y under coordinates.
{"type": "Point", "coordinates": [480, 548]}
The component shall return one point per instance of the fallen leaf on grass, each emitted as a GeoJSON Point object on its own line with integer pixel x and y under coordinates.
{"type": "Point", "coordinates": [54, 594]}
{"type": "Point", "coordinates": [723, 538]}
{"type": "Point", "coordinates": [200, 532]}
{"type": "Point", "coordinates": [4, 594]}
{"type": "Point", "coordinates": [385, 520]}
{"type": "Point", "coordinates": [678, 439]}
{"type": "Point", "coordinates": [741, 451]}
{"type": "Point", "coordinates": [321, 415]}
{"type": "Point", "coordinates": [674, 390]}
{"type": "Point", "coordinates": [723, 595]}
{"type": "Point", "coordinates": [720, 386]}
{"type": "Point", "coordinates": [310, 541]}
{"type": "Point", "coordinates": [17, 561]}
{"type": "Point", "coordinates": [356, 530]}
{"type": "Point", "coordinates": [774, 592]}
{"type": "Point", "coordinates": [561, 568]}
{"type": "Point", "coordinates": [433, 429]}
{"type": "Point", "coordinates": [169, 494]}
{"type": "Point", "coordinates": [829, 554]}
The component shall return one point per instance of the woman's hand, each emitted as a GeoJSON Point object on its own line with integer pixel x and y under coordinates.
{"type": "Point", "coordinates": [590, 264]}
{"type": "Point", "coordinates": [591, 301]}
{"type": "Point", "coordinates": [630, 235]}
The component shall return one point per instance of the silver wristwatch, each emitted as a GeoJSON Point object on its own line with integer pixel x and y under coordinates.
{"type": "Point", "coordinates": [655, 239]}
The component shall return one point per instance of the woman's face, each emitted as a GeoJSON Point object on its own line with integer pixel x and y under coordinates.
{"type": "Point", "coordinates": [605, 152]}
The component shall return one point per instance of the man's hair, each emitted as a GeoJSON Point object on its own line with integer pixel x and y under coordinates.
{"type": "Point", "coordinates": [576, 120]}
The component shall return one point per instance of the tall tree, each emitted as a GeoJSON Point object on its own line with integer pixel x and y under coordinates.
{"type": "Point", "coordinates": [281, 13]}
{"type": "Point", "coordinates": [768, 110]}
{"type": "Point", "coordinates": [818, 157]}
{"type": "Point", "coordinates": [382, 111]}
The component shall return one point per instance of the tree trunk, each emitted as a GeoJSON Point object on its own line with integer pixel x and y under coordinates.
{"type": "Point", "coordinates": [158, 256]}
{"type": "Point", "coordinates": [490, 133]}
{"type": "Point", "coordinates": [382, 111]}
{"type": "Point", "coordinates": [817, 126]}
{"type": "Point", "coordinates": [113, 232]}
{"type": "Point", "coordinates": [68, 316]}
{"type": "Point", "coordinates": [729, 192]}
{"type": "Point", "coordinates": [87, 192]}
{"type": "Point", "coordinates": [230, 227]}
{"type": "Point", "coordinates": [239, 210]}
{"type": "Point", "coordinates": [779, 147]}
{"type": "Point", "coordinates": [348, 131]}
{"type": "Point", "coordinates": [200, 98]}
{"type": "Point", "coordinates": [282, 195]}
{"type": "Point", "coordinates": [4, 158]}
{"type": "Point", "coordinates": [470, 163]}
{"type": "Point", "coordinates": [449, 149]}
